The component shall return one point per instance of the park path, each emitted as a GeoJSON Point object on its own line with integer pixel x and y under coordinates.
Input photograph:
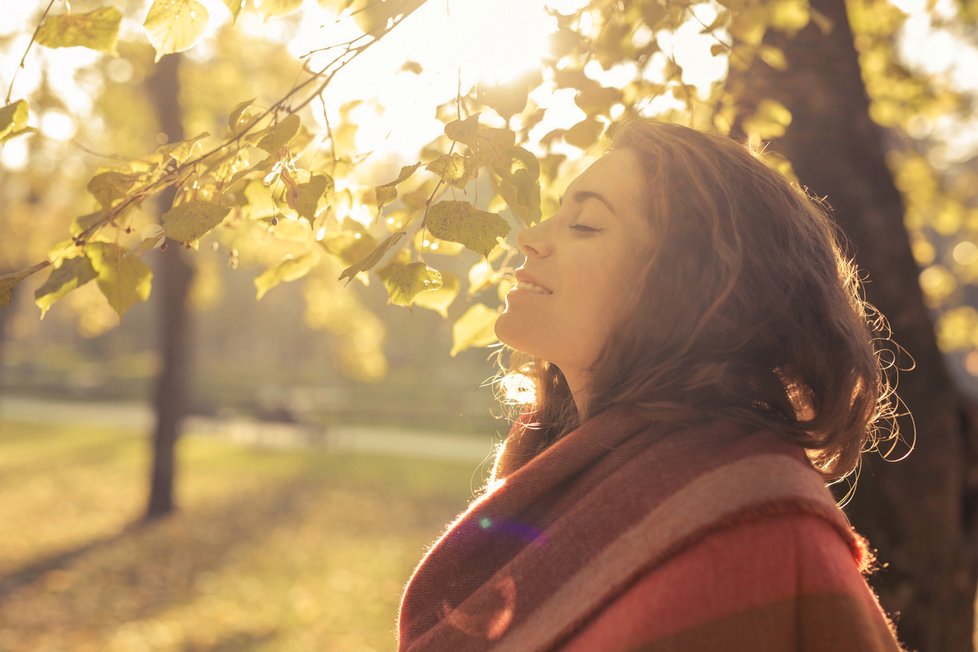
{"type": "Point", "coordinates": [366, 439]}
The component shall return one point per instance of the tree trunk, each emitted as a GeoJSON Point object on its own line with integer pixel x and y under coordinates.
{"type": "Point", "coordinates": [919, 513]}
{"type": "Point", "coordinates": [174, 275]}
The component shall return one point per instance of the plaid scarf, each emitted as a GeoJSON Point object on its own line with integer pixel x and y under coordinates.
{"type": "Point", "coordinates": [545, 549]}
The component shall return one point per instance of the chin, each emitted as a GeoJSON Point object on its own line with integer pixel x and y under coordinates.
{"type": "Point", "coordinates": [513, 334]}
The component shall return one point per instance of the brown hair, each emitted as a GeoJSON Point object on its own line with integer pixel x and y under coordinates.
{"type": "Point", "coordinates": [747, 309]}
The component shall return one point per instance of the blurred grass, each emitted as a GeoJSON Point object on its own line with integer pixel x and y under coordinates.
{"type": "Point", "coordinates": [284, 550]}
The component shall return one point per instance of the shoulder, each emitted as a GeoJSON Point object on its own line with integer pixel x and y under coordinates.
{"type": "Point", "coordinates": [781, 575]}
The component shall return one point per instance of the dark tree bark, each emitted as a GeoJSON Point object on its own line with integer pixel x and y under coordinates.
{"type": "Point", "coordinates": [919, 513]}
{"type": "Point", "coordinates": [174, 275]}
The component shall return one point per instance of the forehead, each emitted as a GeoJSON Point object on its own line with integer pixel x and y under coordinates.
{"type": "Point", "coordinates": [618, 176]}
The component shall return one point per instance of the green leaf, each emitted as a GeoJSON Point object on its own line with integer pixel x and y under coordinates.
{"type": "Point", "coordinates": [96, 30]}
{"type": "Point", "coordinates": [460, 221]}
{"type": "Point", "coordinates": [455, 169]}
{"type": "Point", "coordinates": [278, 135]}
{"type": "Point", "coordinates": [191, 220]}
{"type": "Point", "coordinates": [476, 327]}
{"type": "Point", "coordinates": [7, 283]}
{"type": "Point", "coordinates": [304, 199]}
{"type": "Point", "coordinates": [405, 283]}
{"type": "Point", "coordinates": [13, 119]}
{"type": "Point", "coordinates": [441, 298]}
{"type": "Point", "coordinates": [289, 269]}
{"type": "Point", "coordinates": [272, 8]}
{"type": "Point", "coordinates": [371, 259]}
{"type": "Point", "coordinates": [107, 187]}
{"type": "Point", "coordinates": [519, 174]}
{"type": "Point", "coordinates": [72, 273]}
{"type": "Point", "coordinates": [122, 278]}
{"type": "Point", "coordinates": [387, 192]}
{"type": "Point", "coordinates": [235, 7]}
{"type": "Point", "coordinates": [175, 25]}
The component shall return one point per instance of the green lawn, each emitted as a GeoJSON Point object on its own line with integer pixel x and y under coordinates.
{"type": "Point", "coordinates": [303, 550]}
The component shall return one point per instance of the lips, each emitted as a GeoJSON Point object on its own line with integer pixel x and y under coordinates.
{"type": "Point", "coordinates": [525, 277]}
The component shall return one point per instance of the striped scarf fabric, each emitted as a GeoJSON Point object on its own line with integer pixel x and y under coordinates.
{"type": "Point", "coordinates": [567, 552]}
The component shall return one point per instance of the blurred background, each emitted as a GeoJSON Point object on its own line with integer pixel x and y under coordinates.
{"type": "Point", "coordinates": [327, 437]}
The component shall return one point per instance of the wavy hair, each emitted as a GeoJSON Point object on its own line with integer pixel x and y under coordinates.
{"type": "Point", "coordinates": [747, 308]}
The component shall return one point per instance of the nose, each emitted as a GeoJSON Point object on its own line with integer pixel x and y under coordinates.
{"type": "Point", "coordinates": [533, 240]}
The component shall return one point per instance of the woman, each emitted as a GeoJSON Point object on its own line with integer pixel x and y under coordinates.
{"type": "Point", "coordinates": [703, 364]}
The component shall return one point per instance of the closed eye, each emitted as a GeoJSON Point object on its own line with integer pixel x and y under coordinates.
{"type": "Point", "coordinates": [584, 228]}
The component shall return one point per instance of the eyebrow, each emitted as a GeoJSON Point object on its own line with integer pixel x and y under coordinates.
{"type": "Point", "coordinates": [582, 196]}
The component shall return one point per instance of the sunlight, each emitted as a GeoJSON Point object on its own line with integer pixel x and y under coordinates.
{"type": "Point", "coordinates": [452, 45]}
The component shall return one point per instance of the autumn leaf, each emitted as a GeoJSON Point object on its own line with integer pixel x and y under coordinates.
{"type": "Point", "coordinates": [374, 257]}
{"type": "Point", "coordinates": [96, 30]}
{"type": "Point", "coordinates": [304, 199]}
{"type": "Point", "coordinates": [109, 186]}
{"type": "Point", "coordinates": [13, 119]}
{"type": "Point", "coordinates": [439, 299]}
{"type": "Point", "coordinates": [72, 273]}
{"type": "Point", "coordinates": [275, 137]}
{"type": "Point", "coordinates": [122, 278]}
{"type": "Point", "coordinates": [476, 327]}
{"type": "Point", "coordinates": [387, 192]}
{"type": "Point", "coordinates": [460, 221]}
{"type": "Point", "coordinates": [405, 283]}
{"type": "Point", "coordinates": [235, 7]}
{"type": "Point", "coordinates": [453, 168]}
{"type": "Point", "coordinates": [519, 185]}
{"type": "Point", "coordinates": [175, 25]}
{"type": "Point", "coordinates": [290, 269]}
{"type": "Point", "coordinates": [191, 220]}
{"type": "Point", "coordinates": [7, 283]}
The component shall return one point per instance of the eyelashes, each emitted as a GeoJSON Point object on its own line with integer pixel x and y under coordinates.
{"type": "Point", "coordinates": [584, 228]}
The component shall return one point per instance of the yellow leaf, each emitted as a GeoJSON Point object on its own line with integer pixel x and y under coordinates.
{"type": "Point", "coordinates": [441, 298]}
{"type": "Point", "coordinates": [405, 283]}
{"type": "Point", "coordinates": [373, 257]}
{"type": "Point", "coordinates": [289, 269]}
{"type": "Point", "coordinates": [72, 273]}
{"type": "Point", "coordinates": [175, 25]}
{"type": "Point", "coordinates": [7, 283]}
{"type": "Point", "coordinates": [109, 186]}
{"type": "Point", "coordinates": [122, 278]}
{"type": "Point", "coordinates": [476, 327]}
{"type": "Point", "coordinates": [96, 30]}
{"type": "Point", "coordinates": [13, 119]}
{"type": "Point", "coordinates": [460, 221]}
{"type": "Point", "coordinates": [387, 192]}
{"type": "Point", "coordinates": [278, 135]}
{"type": "Point", "coordinates": [769, 120]}
{"type": "Point", "coordinates": [235, 7]}
{"type": "Point", "coordinates": [191, 220]}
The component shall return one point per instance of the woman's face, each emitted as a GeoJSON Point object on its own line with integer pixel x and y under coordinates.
{"type": "Point", "coordinates": [586, 260]}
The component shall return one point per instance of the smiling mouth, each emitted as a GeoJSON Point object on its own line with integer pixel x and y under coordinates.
{"type": "Point", "coordinates": [532, 287]}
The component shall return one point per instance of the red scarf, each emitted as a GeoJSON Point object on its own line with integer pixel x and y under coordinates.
{"type": "Point", "coordinates": [548, 547]}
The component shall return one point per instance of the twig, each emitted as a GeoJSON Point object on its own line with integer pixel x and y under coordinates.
{"type": "Point", "coordinates": [20, 65]}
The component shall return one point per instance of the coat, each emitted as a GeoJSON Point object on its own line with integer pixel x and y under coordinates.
{"type": "Point", "coordinates": [625, 535]}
